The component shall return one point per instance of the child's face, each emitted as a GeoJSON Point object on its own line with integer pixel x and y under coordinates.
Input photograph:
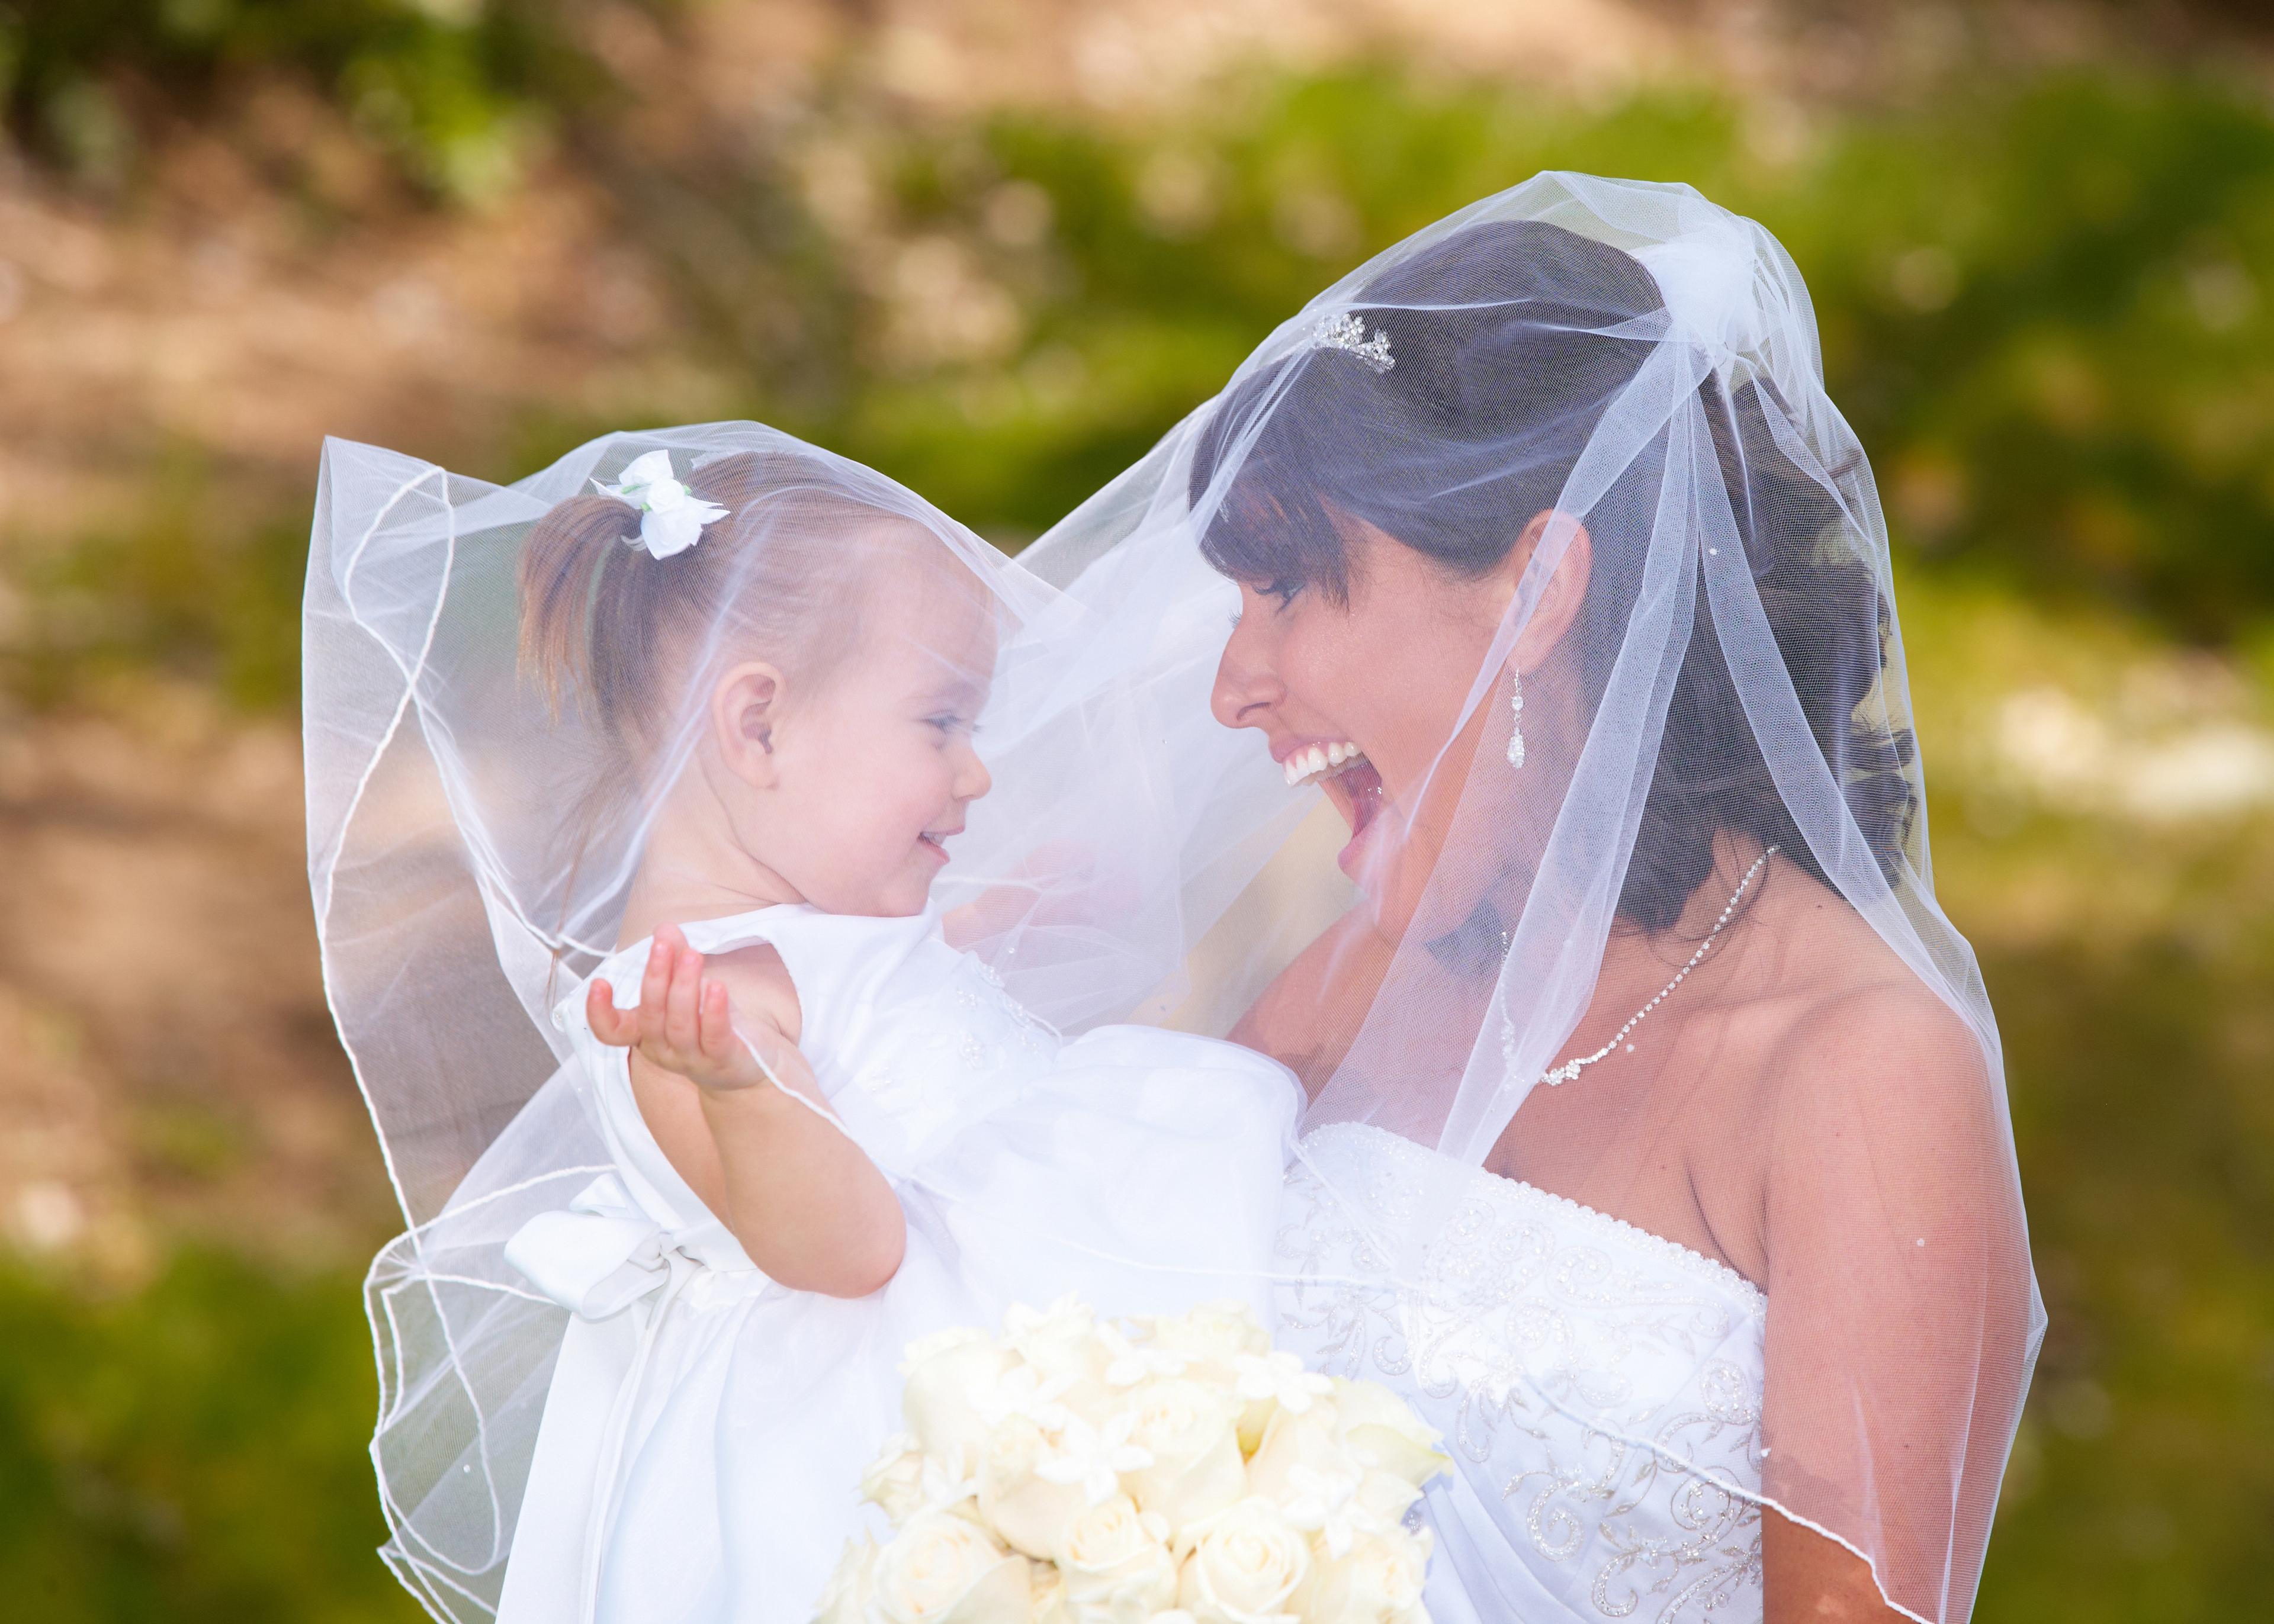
{"type": "Point", "coordinates": [873, 770]}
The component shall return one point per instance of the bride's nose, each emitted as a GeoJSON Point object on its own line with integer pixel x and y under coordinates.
{"type": "Point", "coordinates": [1246, 689]}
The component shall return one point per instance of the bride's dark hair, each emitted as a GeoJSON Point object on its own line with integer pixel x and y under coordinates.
{"type": "Point", "coordinates": [1508, 342]}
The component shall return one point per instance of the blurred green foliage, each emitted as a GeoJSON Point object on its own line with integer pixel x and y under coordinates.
{"type": "Point", "coordinates": [193, 1452]}
{"type": "Point", "coordinates": [196, 582]}
{"type": "Point", "coordinates": [454, 90]}
{"type": "Point", "coordinates": [2142, 1487]}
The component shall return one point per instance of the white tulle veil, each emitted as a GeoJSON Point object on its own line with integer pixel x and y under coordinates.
{"type": "Point", "coordinates": [1629, 357]}
{"type": "Point", "coordinates": [1643, 366]}
{"type": "Point", "coordinates": [472, 836]}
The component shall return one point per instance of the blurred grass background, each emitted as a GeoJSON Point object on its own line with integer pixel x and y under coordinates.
{"type": "Point", "coordinates": [996, 250]}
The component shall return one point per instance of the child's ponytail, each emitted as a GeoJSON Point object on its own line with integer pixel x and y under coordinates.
{"type": "Point", "coordinates": [572, 565]}
{"type": "Point", "coordinates": [606, 626]}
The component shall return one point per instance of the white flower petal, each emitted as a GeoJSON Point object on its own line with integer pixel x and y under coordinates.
{"type": "Point", "coordinates": [646, 469]}
{"type": "Point", "coordinates": [671, 532]}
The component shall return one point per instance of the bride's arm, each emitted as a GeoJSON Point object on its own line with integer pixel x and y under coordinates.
{"type": "Point", "coordinates": [1307, 1018]}
{"type": "Point", "coordinates": [1898, 1291]}
{"type": "Point", "coordinates": [1809, 1579]}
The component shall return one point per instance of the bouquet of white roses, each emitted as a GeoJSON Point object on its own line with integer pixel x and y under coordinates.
{"type": "Point", "coordinates": [1173, 1470]}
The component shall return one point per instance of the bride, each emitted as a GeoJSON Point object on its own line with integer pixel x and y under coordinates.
{"type": "Point", "coordinates": [1657, 1145]}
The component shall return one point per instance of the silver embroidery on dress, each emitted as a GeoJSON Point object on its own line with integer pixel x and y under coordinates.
{"type": "Point", "coordinates": [1602, 1384]}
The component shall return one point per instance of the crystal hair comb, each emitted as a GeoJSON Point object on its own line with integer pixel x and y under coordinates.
{"type": "Point", "coordinates": [1347, 332]}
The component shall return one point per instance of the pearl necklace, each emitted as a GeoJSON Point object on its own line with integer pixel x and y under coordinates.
{"type": "Point", "coordinates": [1570, 1069]}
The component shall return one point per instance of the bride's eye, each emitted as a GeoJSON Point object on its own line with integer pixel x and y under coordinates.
{"type": "Point", "coordinates": [1279, 587]}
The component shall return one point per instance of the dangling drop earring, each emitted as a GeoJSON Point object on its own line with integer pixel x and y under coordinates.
{"type": "Point", "coordinates": [1516, 713]}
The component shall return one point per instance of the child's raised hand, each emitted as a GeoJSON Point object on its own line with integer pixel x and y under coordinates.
{"type": "Point", "coordinates": [682, 1024]}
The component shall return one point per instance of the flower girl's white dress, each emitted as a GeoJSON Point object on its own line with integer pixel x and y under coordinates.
{"type": "Point", "coordinates": [705, 1429]}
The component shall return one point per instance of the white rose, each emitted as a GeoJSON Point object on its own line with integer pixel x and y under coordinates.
{"type": "Point", "coordinates": [950, 1375]}
{"type": "Point", "coordinates": [1212, 1337]}
{"type": "Point", "coordinates": [940, 1568]}
{"type": "Point", "coordinates": [1385, 1434]}
{"type": "Point", "coordinates": [1049, 1595]}
{"type": "Point", "coordinates": [1386, 1498]}
{"type": "Point", "coordinates": [1069, 1358]}
{"type": "Point", "coordinates": [1117, 1570]}
{"type": "Point", "coordinates": [1307, 1470]}
{"type": "Point", "coordinates": [1310, 1443]}
{"type": "Point", "coordinates": [1059, 1340]}
{"type": "Point", "coordinates": [1028, 1511]}
{"type": "Point", "coordinates": [1196, 1471]}
{"type": "Point", "coordinates": [894, 1480]}
{"type": "Point", "coordinates": [1377, 1581]}
{"type": "Point", "coordinates": [1245, 1564]}
{"type": "Point", "coordinates": [932, 1344]}
{"type": "Point", "coordinates": [846, 1599]}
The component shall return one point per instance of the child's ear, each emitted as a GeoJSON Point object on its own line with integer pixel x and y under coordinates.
{"type": "Point", "coordinates": [745, 707]}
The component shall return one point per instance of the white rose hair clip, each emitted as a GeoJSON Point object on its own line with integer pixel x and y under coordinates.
{"type": "Point", "coordinates": [671, 518]}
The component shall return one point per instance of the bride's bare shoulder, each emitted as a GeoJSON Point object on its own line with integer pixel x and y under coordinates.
{"type": "Point", "coordinates": [1866, 1034]}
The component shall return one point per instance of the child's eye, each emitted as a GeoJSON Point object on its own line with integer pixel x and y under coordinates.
{"type": "Point", "coordinates": [952, 724]}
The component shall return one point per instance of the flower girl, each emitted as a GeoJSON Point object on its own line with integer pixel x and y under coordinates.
{"type": "Point", "coordinates": [825, 1131]}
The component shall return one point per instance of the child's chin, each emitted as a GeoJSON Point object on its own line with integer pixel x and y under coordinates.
{"type": "Point", "coordinates": [907, 898]}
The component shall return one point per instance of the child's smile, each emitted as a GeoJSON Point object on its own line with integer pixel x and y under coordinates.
{"type": "Point", "coordinates": [872, 774]}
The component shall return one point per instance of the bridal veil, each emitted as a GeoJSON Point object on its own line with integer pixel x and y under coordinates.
{"type": "Point", "coordinates": [473, 830]}
{"type": "Point", "coordinates": [1719, 731]}
{"type": "Point", "coordinates": [1626, 373]}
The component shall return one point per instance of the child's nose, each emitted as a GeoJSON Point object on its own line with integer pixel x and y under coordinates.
{"type": "Point", "coordinates": [972, 778]}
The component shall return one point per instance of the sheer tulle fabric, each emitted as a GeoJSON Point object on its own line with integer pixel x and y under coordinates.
{"type": "Point", "coordinates": [1642, 365]}
{"type": "Point", "coordinates": [1627, 357]}
{"type": "Point", "coordinates": [470, 845]}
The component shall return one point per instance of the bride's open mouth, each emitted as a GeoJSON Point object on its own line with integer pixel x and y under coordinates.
{"type": "Point", "coordinates": [1342, 769]}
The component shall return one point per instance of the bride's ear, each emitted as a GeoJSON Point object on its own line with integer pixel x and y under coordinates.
{"type": "Point", "coordinates": [1565, 590]}
{"type": "Point", "coordinates": [745, 708]}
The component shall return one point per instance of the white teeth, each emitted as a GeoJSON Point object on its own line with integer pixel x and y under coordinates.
{"type": "Point", "coordinates": [1315, 762]}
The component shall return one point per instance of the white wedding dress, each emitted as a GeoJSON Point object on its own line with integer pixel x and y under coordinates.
{"type": "Point", "coordinates": [1598, 1387]}
{"type": "Point", "coordinates": [705, 1429]}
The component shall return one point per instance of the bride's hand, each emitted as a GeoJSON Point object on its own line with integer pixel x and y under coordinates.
{"type": "Point", "coordinates": [685, 1024]}
{"type": "Point", "coordinates": [1053, 884]}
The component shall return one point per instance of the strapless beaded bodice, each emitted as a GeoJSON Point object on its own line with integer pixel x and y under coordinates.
{"type": "Point", "coordinates": [1598, 1387]}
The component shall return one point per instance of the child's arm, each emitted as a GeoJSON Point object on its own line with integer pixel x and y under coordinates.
{"type": "Point", "coordinates": [811, 1209]}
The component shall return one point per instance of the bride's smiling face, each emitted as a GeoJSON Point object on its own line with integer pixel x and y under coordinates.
{"type": "Point", "coordinates": [1364, 694]}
